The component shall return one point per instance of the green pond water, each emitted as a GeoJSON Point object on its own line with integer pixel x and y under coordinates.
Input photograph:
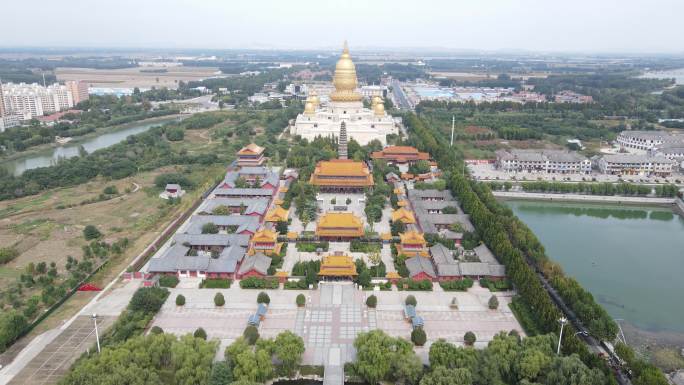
{"type": "Point", "coordinates": [630, 258]}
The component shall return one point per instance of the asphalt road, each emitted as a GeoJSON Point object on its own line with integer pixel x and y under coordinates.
{"type": "Point", "coordinates": [399, 96]}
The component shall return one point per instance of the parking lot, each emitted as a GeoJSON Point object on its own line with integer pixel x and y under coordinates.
{"type": "Point", "coordinates": [489, 172]}
{"type": "Point", "coordinates": [54, 361]}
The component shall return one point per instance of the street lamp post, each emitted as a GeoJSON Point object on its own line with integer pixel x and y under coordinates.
{"type": "Point", "coordinates": [562, 321]}
{"type": "Point", "coordinates": [97, 335]}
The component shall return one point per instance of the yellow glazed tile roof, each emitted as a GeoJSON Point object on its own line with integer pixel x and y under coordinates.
{"type": "Point", "coordinates": [403, 215]}
{"type": "Point", "coordinates": [412, 237]}
{"type": "Point", "coordinates": [337, 265]}
{"type": "Point", "coordinates": [277, 214]}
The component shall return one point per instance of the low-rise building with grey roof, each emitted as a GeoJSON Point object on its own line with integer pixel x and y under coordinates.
{"type": "Point", "coordinates": [441, 254]}
{"type": "Point", "coordinates": [420, 268]}
{"type": "Point", "coordinates": [243, 206]}
{"type": "Point", "coordinates": [636, 164]}
{"type": "Point", "coordinates": [548, 161]}
{"type": "Point", "coordinates": [227, 224]}
{"type": "Point", "coordinates": [222, 192]}
{"type": "Point", "coordinates": [254, 266]}
{"type": "Point", "coordinates": [263, 177]}
{"type": "Point", "coordinates": [484, 254]}
{"type": "Point", "coordinates": [180, 260]}
{"type": "Point", "coordinates": [209, 242]}
{"type": "Point", "coordinates": [430, 195]}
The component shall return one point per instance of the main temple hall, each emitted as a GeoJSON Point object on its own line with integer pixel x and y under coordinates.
{"type": "Point", "coordinates": [346, 105]}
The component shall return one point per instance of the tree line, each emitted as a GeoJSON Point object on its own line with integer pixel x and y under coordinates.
{"type": "Point", "coordinates": [507, 360]}
{"type": "Point", "coordinates": [141, 152]}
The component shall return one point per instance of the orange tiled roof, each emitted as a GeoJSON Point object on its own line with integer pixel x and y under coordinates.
{"type": "Point", "coordinates": [401, 153]}
{"type": "Point", "coordinates": [337, 265]}
{"type": "Point", "coordinates": [341, 172]}
{"type": "Point", "coordinates": [277, 214]}
{"type": "Point", "coordinates": [265, 235]}
{"type": "Point", "coordinates": [392, 275]}
{"type": "Point", "coordinates": [412, 237]}
{"type": "Point", "coordinates": [403, 215]}
{"type": "Point", "coordinates": [251, 149]}
{"type": "Point", "coordinates": [339, 225]}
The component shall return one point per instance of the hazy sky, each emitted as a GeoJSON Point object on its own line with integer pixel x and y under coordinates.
{"type": "Point", "coordinates": [538, 25]}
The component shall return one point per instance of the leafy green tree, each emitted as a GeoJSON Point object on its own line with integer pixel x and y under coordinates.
{"type": "Point", "coordinates": [443, 376]}
{"type": "Point", "coordinates": [147, 360]}
{"type": "Point", "coordinates": [7, 254]}
{"type": "Point", "coordinates": [221, 374]}
{"type": "Point", "coordinates": [289, 348]}
{"type": "Point", "coordinates": [418, 336]}
{"type": "Point", "coordinates": [572, 371]}
{"type": "Point", "coordinates": [365, 278]}
{"type": "Point", "coordinates": [221, 210]}
{"type": "Point", "coordinates": [156, 330]}
{"type": "Point", "coordinates": [200, 333]}
{"type": "Point", "coordinates": [232, 350]}
{"type": "Point", "coordinates": [210, 228]}
{"type": "Point", "coordinates": [376, 351]}
{"type": "Point", "coordinates": [12, 324]}
{"type": "Point", "coordinates": [91, 232]}
{"type": "Point", "coordinates": [180, 300]}
{"type": "Point", "coordinates": [148, 299]}
{"type": "Point", "coordinates": [493, 302]}
{"type": "Point", "coordinates": [469, 338]}
{"type": "Point", "coordinates": [219, 300]}
{"type": "Point", "coordinates": [251, 334]}
{"type": "Point", "coordinates": [407, 369]}
{"type": "Point", "coordinates": [263, 298]}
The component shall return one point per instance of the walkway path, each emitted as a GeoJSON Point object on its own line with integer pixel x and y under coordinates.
{"type": "Point", "coordinates": [329, 324]}
{"type": "Point", "coordinates": [583, 198]}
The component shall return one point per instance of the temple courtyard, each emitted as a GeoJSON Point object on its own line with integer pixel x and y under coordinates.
{"type": "Point", "coordinates": [335, 313]}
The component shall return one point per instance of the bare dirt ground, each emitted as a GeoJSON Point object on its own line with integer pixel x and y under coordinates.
{"type": "Point", "coordinates": [662, 348]}
{"type": "Point", "coordinates": [134, 77]}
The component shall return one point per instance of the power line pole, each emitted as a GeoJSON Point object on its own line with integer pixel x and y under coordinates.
{"type": "Point", "coordinates": [97, 335]}
{"type": "Point", "coordinates": [562, 321]}
{"type": "Point", "coordinates": [453, 122]}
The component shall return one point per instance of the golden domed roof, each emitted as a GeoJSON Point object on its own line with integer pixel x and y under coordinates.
{"type": "Point", "coordinates": [345, 79]}
{"type": "Point", "coordinates": [378, 106]}
{"type": "Point", "coordinates": [309, 108]}
{"type": "Point", "coordinates": [313, 98]}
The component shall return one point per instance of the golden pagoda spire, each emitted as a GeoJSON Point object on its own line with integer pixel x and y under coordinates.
{"type": "Point", "coordinates": [344, 79]}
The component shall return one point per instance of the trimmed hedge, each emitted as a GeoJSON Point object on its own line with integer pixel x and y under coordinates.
{"type": "Point", "coordinates": [168, 281]}
{"type": "Point", "coordinates": [216, 283]}
{"type": "Point", "coordinates": [259, 283]}
{"type": "Point", "coordinates": [457, 284]}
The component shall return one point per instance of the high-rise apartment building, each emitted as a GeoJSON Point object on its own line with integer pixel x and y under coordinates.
{"type": "Point", "coordinates": [78, 89]}
{"type": "Point", "coordinates": [33, 100]}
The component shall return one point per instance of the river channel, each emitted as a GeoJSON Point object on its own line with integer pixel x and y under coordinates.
{"type": "Point", "coordinates": [630, 258]}
{"type": "Point", "coordinates": [48, 157]}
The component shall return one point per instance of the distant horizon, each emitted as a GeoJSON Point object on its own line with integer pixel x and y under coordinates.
{"type": "Point", "coordinates": [584, 26]}
{"type": "Point", "coordinates": [365, 49]}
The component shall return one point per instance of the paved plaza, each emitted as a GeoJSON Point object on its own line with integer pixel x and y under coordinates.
{"type": "Point", "coordinates": [334, 315]}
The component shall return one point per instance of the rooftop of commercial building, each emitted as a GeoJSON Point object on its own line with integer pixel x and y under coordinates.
{"type": "Point", "coordinates": [635, 158]}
